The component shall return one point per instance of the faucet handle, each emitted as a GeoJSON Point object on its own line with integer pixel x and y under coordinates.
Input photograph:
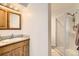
{"type": "Point", "coordinates": [12, 35]}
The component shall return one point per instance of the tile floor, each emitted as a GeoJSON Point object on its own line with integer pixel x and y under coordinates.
{"type": "Point", "coordinates": [54, 53]}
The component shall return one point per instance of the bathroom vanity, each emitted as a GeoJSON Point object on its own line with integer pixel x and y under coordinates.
{"type": "Point", "coordinates": [15, 47]}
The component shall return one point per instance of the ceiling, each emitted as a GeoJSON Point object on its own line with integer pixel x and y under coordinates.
{"type": "Point", "coordinates": [60, 8]}
{"type": "Point", "coordinates": [24, 4]}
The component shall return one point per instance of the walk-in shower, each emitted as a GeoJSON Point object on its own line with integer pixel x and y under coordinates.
{"type": "Point", "coordinates": [66, 33]}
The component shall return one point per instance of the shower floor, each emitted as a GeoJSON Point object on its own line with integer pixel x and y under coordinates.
{"type": "Point", "coordinates": [69, 52]}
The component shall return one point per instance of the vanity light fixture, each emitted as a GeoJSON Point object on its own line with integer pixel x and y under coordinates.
{"type": "Point", "coordinates": [9, 5]}
{"type": "Point", "coordinates": [5, 4]}
{"type": "Point", "coordinates": [16, 8]}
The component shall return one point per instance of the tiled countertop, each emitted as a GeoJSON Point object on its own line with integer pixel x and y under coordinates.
{"type": "Point", "coordinates": [13, 40]}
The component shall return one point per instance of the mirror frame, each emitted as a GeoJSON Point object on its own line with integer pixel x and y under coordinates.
{"type": "Point", "coordinates": [8, 20]}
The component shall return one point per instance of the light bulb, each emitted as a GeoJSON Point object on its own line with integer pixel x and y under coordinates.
{"type": "Point", "coordinates": [10, 6]}
{"type": "Point", "coordinates": [16, 8]}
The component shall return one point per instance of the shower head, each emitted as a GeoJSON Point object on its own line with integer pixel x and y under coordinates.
{"type": "Point", "coordinates": [71, 14]}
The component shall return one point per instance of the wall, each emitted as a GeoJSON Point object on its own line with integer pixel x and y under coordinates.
{"type": "Point", "coordinates": [35, 24]}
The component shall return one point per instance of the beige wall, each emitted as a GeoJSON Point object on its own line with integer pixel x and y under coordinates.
{"type": "Point", "coordinates": [36, 25]}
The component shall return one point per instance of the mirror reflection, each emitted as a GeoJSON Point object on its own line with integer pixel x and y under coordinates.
{"type": "Point", "coordinates": [14, 20]}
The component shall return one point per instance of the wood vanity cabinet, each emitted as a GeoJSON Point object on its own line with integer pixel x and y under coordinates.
{"type": "Point", "coordinates": [15, 49]}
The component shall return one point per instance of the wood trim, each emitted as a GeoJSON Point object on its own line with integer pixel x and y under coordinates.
{"type": "Point", "coordinates": [7, 21]}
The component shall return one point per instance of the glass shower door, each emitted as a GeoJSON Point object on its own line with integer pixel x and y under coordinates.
{"type": "Point", "coordinates": [60, 35]}
{"type": "Point", "coordinates": [70, 47]}
{"type": "Point", "coordinates": [66, 35]}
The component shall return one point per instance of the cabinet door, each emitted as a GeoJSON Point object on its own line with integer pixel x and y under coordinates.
{"type": "Point", "coordinates": [7, 54]}
{"type": "Point", "coordinates": [18, 49]}
{"type": "Point", "coordinates": [3, 19]}
{"type": "Point", "coordinates": [26, 51]}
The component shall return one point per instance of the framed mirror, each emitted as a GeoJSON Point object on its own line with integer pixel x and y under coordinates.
{"type": "Point", "coordinates": [10, 19]}
{"type": "Point", "coordinates": [14, 21]}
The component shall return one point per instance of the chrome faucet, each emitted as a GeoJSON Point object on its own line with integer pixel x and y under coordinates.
{"type": "Point", "coordinates": [12, 35]}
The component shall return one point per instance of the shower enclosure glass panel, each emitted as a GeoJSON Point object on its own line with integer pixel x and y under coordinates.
{"type": "Point", "coordinates": [65, 35]}
{"type": "Point", "coordinates": [60, 34]}
{"type": "Point", "coordinates": [71, 48]}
